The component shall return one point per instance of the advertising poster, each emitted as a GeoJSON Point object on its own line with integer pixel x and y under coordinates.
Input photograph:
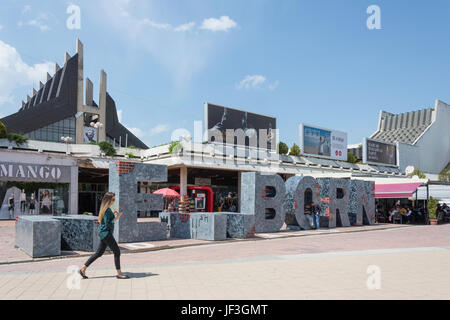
{"type": "Point", "coordinates": [46, 201]}
{"type": "Point", "coordinates": [219, 119]}
{"type": "Point", "coordinates": [90, 134]}
{"type": "Point", "coordinates": [378, 152]}
{"type": "Point", "coordinates": [323, 142]}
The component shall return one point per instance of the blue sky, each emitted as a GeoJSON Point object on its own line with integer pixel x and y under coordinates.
{"type": "Point", "coordinates": [299, 61]}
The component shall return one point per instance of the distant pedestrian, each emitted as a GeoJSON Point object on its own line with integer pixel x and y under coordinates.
{"type": "Point", "coordinates": [315, 210]}
{"type": "Point", "coordinates": [308, 215]}
{"type": "Point", "coordinates": [106, 219]}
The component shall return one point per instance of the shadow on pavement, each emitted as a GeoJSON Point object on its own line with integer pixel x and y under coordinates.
{"type": "Point", "coordinates": [130, 274]}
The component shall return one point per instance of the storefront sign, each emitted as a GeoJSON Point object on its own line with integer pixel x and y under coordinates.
{"type": "Point", "coordinates": [321, 142]}
{"type": "Point", "coordinates": [202, 181]}
{"type": "Point", "coordinates": [34, 173]}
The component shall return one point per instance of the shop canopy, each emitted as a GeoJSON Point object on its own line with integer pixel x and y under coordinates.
{"type": "Point", "coordinates": [396, 190]}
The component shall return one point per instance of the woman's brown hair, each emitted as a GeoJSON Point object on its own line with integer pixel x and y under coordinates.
{"type": "Point", "coordinates": [106, 203]}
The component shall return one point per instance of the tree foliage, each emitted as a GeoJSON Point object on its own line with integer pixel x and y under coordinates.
{"type": "Point", "coordinates": [351, 158]}
{"type": "Point", "coordinates": [432, 206]}
{"type": "Point", "coordinates": [175, 146]}
{"type": "Point", "coordinates": [283, 148]}
{"type": "Point", "coordinates": [17, 138]}
{"type": "Point", "coordinates": [445, 174]}
{"type": "Point", "coordinates": [107, 148]}
{"type": "Point", "coordinates": [3, 131]}
{"type": "Point", "coordinates": [417, 172]}
{"type": "Point", "coordinates": [295, 150]}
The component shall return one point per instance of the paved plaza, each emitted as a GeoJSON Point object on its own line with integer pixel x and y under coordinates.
{"type": "Point", "coordinates": [394, 263]}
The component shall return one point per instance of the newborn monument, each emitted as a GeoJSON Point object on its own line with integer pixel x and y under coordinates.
{"type": "Point", "coordinates": [267, 203]}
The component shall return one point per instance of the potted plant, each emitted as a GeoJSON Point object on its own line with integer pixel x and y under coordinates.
{"type": "Point", "coordinates": [432, 206]}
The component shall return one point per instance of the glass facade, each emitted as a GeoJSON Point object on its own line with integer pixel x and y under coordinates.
{"type": "Point", "coordinates": [31, 198]}
{"type": "Point", "coordinates": [54, 132]}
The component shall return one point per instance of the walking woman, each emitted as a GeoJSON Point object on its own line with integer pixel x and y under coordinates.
{"type": "Point", "coordinates": [106, 219]}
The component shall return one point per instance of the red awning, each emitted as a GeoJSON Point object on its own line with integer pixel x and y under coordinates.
{"type": "Point", "coordinates": [396, 190]}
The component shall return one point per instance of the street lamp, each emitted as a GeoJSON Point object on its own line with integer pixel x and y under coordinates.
{"type": "Point", "coordinates": [67, 140]}
{"type": "Point", "coordinates": [96, 125]}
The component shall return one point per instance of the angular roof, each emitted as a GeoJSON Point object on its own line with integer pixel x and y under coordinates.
{"type": "Point", "coordinates": [404, 127]}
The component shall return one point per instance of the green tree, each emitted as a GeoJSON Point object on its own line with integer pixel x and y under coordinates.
{"type": "Point", "coordinates": [432, 206]}
{"type": "Point", "coordinates": [351, 158]}
{"type": "Point", "coordinates": [175, 146]}
{"type": "Point", "coordinates": [295, 150]}
{"type": "Point", "coordinates": [419, 173]}
{"type": "Point", "coordinates": [3, 132]}
{"type": "Point", "coordinates": [107, 148]}
{"type": "Point", "coordinates": [445, 174]}
{"type": "Point", "coordinates": [17, 138]}
{"type": "Point", "coordinates": [283, 148]}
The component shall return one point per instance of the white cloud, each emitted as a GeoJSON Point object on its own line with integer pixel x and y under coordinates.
{"type": "Point", "coordinates": [137, 132]}
{"type": "Point", "coordinates": [222, 24]}
{"type": "Point", "coordinates": [119, 115]}
{"type": "Point", "coordinates": [251, 81]}
{"type": "Point", "coordinates": [38, 22]}
{"type": "Point", "coordinates": [26, 8]}
{"type": "Point", "coordinates": [180, 50]}
{"type": "Point", "coordinates": [185, 27]}
{"type": "Point", "coordinates": [160, 128]}
{"type": "Point", "coordinates": [1, 27]}
{"type": "Point", "coordinates": [14, 73]}
{"type": "Point", "coordinates": [274, 85]}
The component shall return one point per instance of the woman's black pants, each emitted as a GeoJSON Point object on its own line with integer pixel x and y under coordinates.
{"type": "Point", "coordinates": [110, 242]}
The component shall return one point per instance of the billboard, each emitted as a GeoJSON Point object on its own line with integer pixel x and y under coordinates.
{"type": "Point", "coordinates": [322, 142]}
{"type": "Point", "coordinates": [379, 152]}
{"type": "Point", "coordinates": [250, 128]}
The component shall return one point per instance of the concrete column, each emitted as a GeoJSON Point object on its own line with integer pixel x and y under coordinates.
{"type": "Point", "coordinates": [79, 131]}
{"type": "Point", "coordinates": [73, 191]}
{"type": "Point", "coordinates": [89, 96]}
{"type": "Point", "coordinates": [102, 107]}
{"type": "Point", "coordinates": [239, 191]}
{"type": "Point", "coordinates": [183, 181]}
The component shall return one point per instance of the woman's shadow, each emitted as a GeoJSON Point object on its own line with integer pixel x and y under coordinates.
{"type": "Point", "coordinates": [131, 275]}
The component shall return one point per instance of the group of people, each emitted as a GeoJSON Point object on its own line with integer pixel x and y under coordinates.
{"type": "Point", "coordinates": [408, 214]}
{"type": "Point", "coordinates": [312, 213]}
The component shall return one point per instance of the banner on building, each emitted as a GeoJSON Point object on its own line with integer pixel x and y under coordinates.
{"type": "Point", "coordinates": [379, 152]}
{"type": "Point", "coordinates": [322, 142]}
{"type": "Point", "coordinates": [90, 134]}
{"type": "Point", "coordinates": [245, 128]}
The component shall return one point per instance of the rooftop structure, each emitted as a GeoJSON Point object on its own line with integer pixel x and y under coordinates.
{"type": "Point", "coordinates": [59, 109]}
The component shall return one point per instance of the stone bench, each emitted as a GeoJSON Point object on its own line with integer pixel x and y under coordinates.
{"type": "Point", "coordinates": [38, 236]}
{"type": "Point", "coordinates": [79, 232]}
{"type": "Point", "coordinates": [208, 226]}
{"type": "Point", "coordinates": [240, 225]}
{"type": "Point", "coordinates": [179, 224]}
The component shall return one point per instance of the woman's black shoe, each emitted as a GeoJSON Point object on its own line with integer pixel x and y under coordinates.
{"type": "Point", "coordinates": [122, 276]}
{"type": "Point", "coordinates": [82, 275]}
